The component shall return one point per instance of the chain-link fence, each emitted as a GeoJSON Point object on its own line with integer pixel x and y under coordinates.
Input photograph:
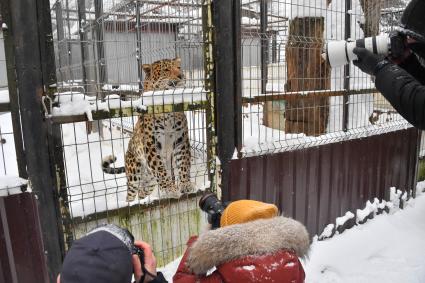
{"type": "Point", "coordinates": [292, 97]}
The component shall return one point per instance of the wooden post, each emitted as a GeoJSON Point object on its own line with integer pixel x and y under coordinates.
{"type": "Point", "coordinates": [372, 15]}
{"type": "Point", "coordinates": [307, 70]}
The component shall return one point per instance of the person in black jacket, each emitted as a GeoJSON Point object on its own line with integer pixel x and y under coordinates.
{"type": "Point", "coordinates": [402, 80]}
{"type": "Point", "coordinates": [108, 254]}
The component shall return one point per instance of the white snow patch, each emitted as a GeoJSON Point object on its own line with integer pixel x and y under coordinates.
{"type": "Point", "coordinates": [10, 185]}
{"type": "Point", "coordinates": [343, 219]}
{"type": "Point", "coordinates": [75, 103]}
{"type": "Point", "coordinates": [327, 232]}
{"type": "Point", "coordinates": [4, 96]}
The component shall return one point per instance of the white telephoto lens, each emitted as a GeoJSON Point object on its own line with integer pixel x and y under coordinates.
{"type": "Point", "coordinates": [340, 53]}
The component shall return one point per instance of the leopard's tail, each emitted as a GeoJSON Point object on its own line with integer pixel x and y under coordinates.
{"type": "Point", "coordinates": [107, 161]}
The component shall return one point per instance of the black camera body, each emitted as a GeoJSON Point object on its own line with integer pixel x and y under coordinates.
{"type": "Point", "coordinates": [213, 207]}
{"type": "Point", "coordinates": [140, 253]}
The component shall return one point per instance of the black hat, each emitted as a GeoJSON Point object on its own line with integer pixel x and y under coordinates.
{"type": "Point", "coordinates": [104, 255]}
{"type": "Point", "coordinates": [413, 20]}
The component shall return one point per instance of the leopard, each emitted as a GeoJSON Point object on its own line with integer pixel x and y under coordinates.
{"type": "Point", "coordinates": [159, 150]}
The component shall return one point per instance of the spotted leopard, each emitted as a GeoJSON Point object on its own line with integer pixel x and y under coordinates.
{"type": "Point", "coordinates": [159, 150]}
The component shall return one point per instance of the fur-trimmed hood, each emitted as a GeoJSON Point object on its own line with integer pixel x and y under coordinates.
{"type": "Point", "coordinates": [260, 237]}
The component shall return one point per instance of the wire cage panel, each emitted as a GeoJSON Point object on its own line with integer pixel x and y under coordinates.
{"type": "Point", "coordinates": [10, 182]}
{"type": "Point", "coordinates": [131, 92]}
{"type": "Point", "coordinates": [291, 97]}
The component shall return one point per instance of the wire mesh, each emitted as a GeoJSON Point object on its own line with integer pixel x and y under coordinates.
{"type": "Point", "coordinates": [292, 98]}
{"type": "Point", "coordinates": [9, 181]}
{"type": "Point", "coordinates": [120, 62]}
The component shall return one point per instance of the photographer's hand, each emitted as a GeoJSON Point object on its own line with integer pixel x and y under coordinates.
{"type": "Point", "coordinates": [150, 263]}
{"type": "Point", "coordinates": [368, 62]}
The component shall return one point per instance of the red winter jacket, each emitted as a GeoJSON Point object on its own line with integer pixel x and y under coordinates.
{"type": "Point", "coordinates": [258, 251]}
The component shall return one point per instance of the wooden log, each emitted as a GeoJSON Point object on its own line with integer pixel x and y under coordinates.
{"type": "Point", "coordinates": [307, 70]}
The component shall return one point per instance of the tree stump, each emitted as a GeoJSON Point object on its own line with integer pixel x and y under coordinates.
{"type": "Point", "coordinates": [307, 71]}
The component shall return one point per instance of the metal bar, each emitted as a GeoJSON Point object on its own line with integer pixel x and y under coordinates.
{"type": "Point", "coordinates": [49, 79]}
{"type": "Point", "coordinates": [68, 43]}
{"type": "Point", "coordinates": [418, 150]}
{"type": "Point", "coordinates": [224, 14]}
{"type": "Point", "coordinates": [209, 68]}
{"type": "Point", "coordinates": [13, 92]}
{"type": "Point", "coordinates": [346, 97]}
{"type": "Point", "coordinates": [274, 48]}
{"type": "Point", "coordinates": [98, 7]}
{"type": "Point", "coordinates": [30, 86]}
{"type": "Point", "coordinates": [83, 39]}
{"type": "Point", "coordinates": [60, 37]}
{"type": "Point", "coordinates": [4, 107]}
{"type": "Point", "coordinates": [129, 112]}
{"type": "Point", "coordinates": [264, 44]}
{"type": "Point", "coordinates": [238, 74]}
{"type": "Point", "coordinates": [305, 94]}
{"type": "Point", "coordinates": [139, 45]}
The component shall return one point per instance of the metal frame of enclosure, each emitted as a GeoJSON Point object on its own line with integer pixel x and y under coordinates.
{"type": "Point", "coordinates": [268, 119]}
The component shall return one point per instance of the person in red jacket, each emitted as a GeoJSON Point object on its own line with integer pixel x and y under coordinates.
{"type": "Point", "coordinates": [253, 244]}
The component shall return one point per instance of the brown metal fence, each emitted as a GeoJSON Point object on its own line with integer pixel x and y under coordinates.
{"type": "Point", "coordinates": [318, 184]}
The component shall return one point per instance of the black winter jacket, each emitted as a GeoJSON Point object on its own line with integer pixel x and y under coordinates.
{"type": "Point", "coordinates": [404, 87]}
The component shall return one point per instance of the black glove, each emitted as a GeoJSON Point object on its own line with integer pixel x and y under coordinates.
{"type": "Point", "coordinates": [369, 62]}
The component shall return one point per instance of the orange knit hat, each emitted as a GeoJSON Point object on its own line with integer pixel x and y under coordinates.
{"type": "Point", "coordinates": [243, 211]}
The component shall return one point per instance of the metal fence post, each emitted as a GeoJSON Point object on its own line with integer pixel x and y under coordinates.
{"type": "Point", "coordinates": [264, 45]}
{"type": "Point", "coordinates": [28, 25]}
{"type": "Point", "coordinates": [346, 97]}
{"type": "Point", "coordinates": [83, 40]}
{"type": "Point", "coordinates": [228, 84]}
{"type": "Point", "coordinates": [139, 45]}
{"type": "Point", "coordinates": [98, 7]}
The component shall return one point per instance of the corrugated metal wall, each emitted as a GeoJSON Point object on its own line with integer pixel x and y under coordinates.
{"type": "Point", "coordinates": [316, 185]}
{"type": "Point", "coordinates": [22, 256]}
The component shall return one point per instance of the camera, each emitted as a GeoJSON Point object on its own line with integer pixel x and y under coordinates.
{"type": "Point", "coordinates": [339, 53]}
{"type": "Point", "coordinates": [210, 203]}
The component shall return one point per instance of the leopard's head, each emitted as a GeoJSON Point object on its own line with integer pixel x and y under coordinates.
{"type": "Point", "coordinates": [163, 74]}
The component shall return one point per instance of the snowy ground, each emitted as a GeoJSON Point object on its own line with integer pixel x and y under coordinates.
{"type": "Point", "coordinates": [388, 249]}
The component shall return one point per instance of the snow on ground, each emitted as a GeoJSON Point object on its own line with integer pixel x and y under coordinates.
{"type": "Point", "coordinates": [387, 249]}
